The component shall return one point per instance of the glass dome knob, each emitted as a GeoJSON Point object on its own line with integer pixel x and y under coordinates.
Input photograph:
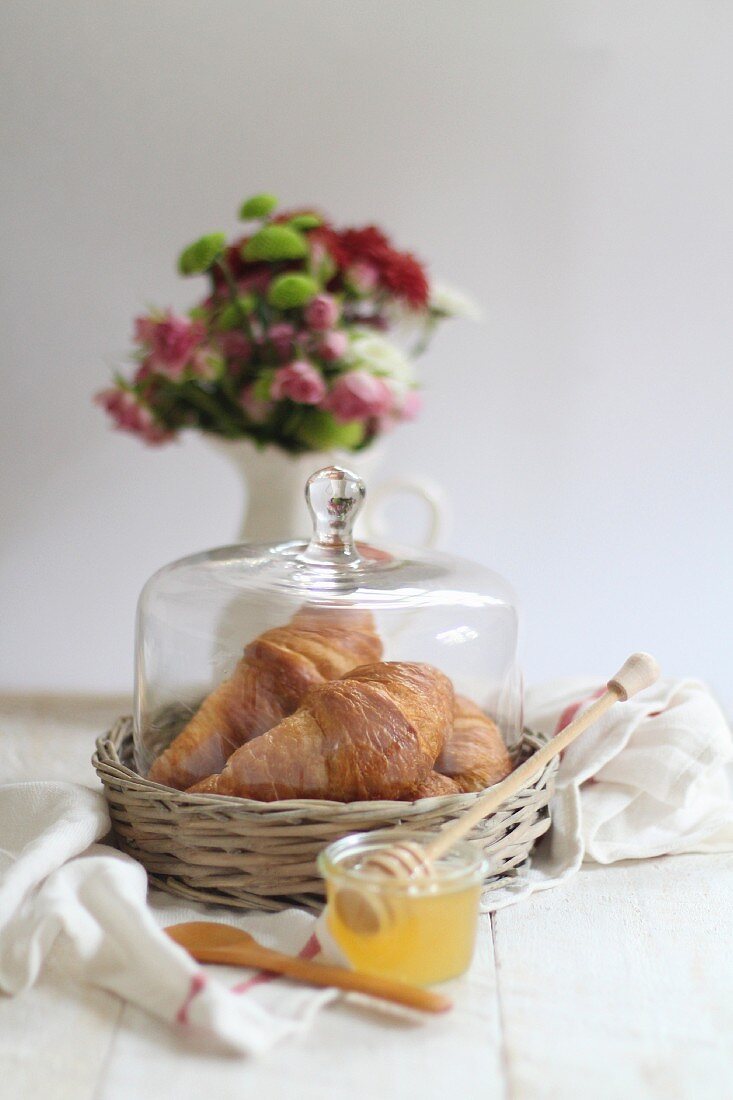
{"type": "Point", "coordinates": [334, 497]}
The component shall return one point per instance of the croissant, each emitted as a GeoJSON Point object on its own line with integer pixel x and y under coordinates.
{"type": "Point", "coordinates": [474, 755]}
{"type": "Point", "coordinates": [268, 683]}
{"type": "Point", "coordinates": [436, 785]}
{"type": "Point", "coordinates": [375, 733]}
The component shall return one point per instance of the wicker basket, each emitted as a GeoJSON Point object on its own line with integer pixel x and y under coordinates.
{"type": "Point", "coordinates": [261, 855]}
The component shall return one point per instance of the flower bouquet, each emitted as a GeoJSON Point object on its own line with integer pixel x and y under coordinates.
{"type": "Point", "coordinates": [289, 345]}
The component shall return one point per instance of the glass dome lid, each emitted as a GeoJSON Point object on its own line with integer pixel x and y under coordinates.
{"type": "Point", "coordinates": [198, 615]}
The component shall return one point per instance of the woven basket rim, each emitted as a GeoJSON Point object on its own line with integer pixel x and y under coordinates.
{"type": "Point", "coordinates": [107, 758]}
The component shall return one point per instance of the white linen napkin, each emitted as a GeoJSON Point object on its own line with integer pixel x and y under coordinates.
{"type": "Point", "coordinates": [648, 779]}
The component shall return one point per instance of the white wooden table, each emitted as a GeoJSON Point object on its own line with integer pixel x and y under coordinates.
{"type": "Point", "coordinates": [619, 984]}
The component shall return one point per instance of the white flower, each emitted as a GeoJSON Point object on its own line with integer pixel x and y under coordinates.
{"type": "Point", "coordinates": [380, 356]}
{"type": "Point", "coordinates": [372, 352]}
{"type": "Point", "coordinates": [453, 303]}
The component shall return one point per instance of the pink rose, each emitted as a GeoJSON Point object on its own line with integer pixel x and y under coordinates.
{"type": "Point", "coordinates": [144, 371]}
{"type": "Point", "coordinates": [256, 409]}
{"type": "Point", "coordinates": [358, 396]}
{"type": "Point", "coordinates": [130, 416]}
{"type": "Point", "coordinates": [171, 341]}
{"type": "Point", "coordinates": [281, 337]}
{"type": "Point", "coordinates": [322, 312]}
{"type": "Point", "coordinates": [332, 345]}
{"type": "Point", "coordinates": [411, 405]}
{"type": "Point", "coordinates": [149, 430]}
{"type": "Point", "coordinates": [300, 381]}
{"type": "Point", "coordinates": [235, 345]}
{"type": "Point", "coordinates": [145, 329]}
{"type": "Point", "coordinates": [408, 410]}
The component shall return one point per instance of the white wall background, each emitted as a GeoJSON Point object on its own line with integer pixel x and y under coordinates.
{"type": "Point", "coordinates": [568, 163]}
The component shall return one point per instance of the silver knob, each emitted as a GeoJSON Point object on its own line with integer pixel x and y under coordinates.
{"type": "Point", "coordinates": [334, 497]}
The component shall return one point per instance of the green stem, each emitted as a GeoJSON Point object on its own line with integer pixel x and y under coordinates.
{"type": "Point", "coordinates": [229, 390]}
{"type": "Point", "coordinates": [425, 337]}
{"type": "Point", "coordinates": [208, 404]}
{"type": "Point", "coordinates": [234, 296]}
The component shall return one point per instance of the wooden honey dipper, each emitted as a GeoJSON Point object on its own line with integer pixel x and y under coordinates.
{"type": "Point", "coordinates": [365, 913]}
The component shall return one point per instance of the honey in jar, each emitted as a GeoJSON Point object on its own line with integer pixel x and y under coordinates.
{"type": "Point", "coordinates": [420, 930]}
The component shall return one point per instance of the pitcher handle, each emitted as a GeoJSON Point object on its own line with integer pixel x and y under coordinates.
{"type": "Point", "coordinates": [430, 493]}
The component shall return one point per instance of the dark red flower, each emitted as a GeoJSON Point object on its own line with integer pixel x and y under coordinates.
{"type": "Point", "coordinates": [405, 277]}
{"type": "Point", "coordinates": [399, 272]}
{"type": "Point", "coordinates": [367, 244]}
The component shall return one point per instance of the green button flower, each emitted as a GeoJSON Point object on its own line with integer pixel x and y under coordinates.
{"type": "Point", "coordinates": [292, 291]}
{"type": "Point", "coordinates": [276, 242]}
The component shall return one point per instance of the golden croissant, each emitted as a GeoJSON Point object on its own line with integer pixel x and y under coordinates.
{"type": "Point", "coordinates": [268, 683]}
{"type": "Point", "coordinates": [474, 755]}
{"type": "Point", "coordinates": [436, 785]}
{"type": "Point", "coordinates": [373, 734]}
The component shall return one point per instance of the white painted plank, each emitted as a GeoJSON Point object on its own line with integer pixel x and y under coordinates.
{"type": "Point", "coordinates": [52, 736]}
{"type": "Point", "coordinates": [350, 1052]}
{"type": "Point", "coordinates": [620, 984]}
{"type": "Point", "coordinates": [54, 1039]}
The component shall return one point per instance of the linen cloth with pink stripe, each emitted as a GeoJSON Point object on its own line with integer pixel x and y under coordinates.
{"type": "Point", "coordinates": [648, 779]}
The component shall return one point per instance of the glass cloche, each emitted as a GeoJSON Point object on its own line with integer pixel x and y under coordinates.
{"type": "Point", "coordinates": [217, 666]}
